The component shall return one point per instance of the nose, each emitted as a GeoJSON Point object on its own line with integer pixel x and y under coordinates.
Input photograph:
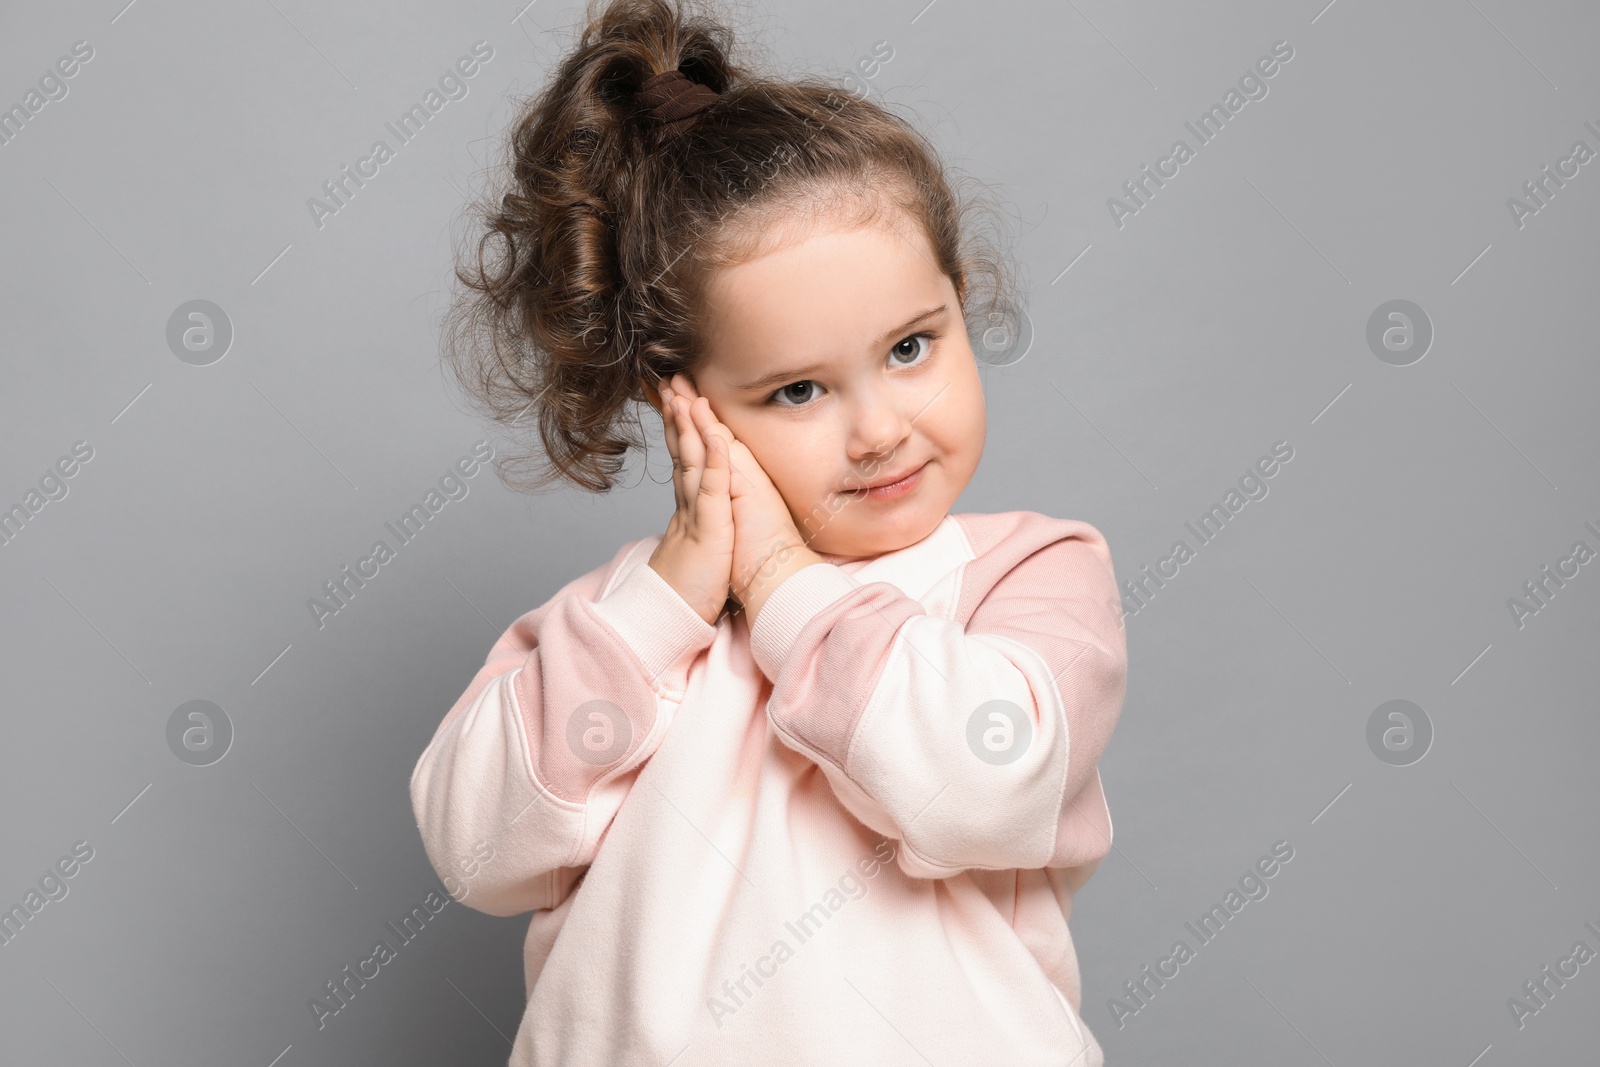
{"type": "Point", "coordinates": [878, 426]}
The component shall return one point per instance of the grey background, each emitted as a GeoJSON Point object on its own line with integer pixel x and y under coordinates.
{"type": "Point", "coordinates": [1228, 314]}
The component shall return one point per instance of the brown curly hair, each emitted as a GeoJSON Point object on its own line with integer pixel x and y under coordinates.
{"type": "Point", "coordinates": [583, 288]}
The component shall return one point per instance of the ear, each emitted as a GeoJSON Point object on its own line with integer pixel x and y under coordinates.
{"type": "Point", "coordinates": [653, 395]}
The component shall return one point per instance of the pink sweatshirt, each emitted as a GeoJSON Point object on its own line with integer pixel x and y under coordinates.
{"type": "Point", "coordinates": [851, 834]}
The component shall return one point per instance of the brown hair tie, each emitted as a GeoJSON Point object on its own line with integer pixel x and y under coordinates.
{"type": "Point", "coordinates": [674, 101]}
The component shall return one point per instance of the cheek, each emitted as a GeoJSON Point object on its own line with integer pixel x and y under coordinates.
{"type": "Point", "coordinates": [965, 423]}
{"type": "Point", "coordinates": [792, 461]}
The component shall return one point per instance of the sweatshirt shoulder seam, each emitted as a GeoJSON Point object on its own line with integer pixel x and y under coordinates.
{"type": "Point", "coordinates": [541, 794]}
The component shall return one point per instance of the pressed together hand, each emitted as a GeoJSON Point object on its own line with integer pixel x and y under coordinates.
{"type": "Point", "coordinates": [730, 523]}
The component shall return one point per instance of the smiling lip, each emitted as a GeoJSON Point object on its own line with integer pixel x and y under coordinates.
{"type": "Point", "coordinates": [862, 490]}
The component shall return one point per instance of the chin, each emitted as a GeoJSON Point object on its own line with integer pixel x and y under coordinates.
{"type": "Point", "coordinates": [888, 534]}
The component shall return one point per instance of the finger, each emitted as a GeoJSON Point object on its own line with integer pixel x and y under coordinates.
{"type": "Point", "coordinates": [743, 462]}
{"type": "Point", "coordinates": [706, 419]}
{"type": "Point", "coordinates": [707, 423]}
{"type": "Point", "coordinates": [669, 429]}
{"type": "Point", "coordinates": [691, 449]}
{"type": "Point", "coordinates": [684, 386]}
{"type": "Point", "coordinates": [714, 505]}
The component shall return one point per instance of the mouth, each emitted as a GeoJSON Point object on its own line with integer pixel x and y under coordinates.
{"type": "Point", "coordinates": [894, 482]}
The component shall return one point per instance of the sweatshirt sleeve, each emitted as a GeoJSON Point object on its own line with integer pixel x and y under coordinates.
{"type": "Point", "coordinates": [973, 740]}
{"type": "Point", "coordinates": [523, 776]}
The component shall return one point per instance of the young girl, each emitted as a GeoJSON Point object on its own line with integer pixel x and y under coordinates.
{"type": "Point", "coordinates": [810, 778]}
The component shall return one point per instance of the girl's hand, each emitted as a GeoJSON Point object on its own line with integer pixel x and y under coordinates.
{"type": "Point", "coordinates": [695, 555]}
{"type": "Point", "coordinates": [767, 545]}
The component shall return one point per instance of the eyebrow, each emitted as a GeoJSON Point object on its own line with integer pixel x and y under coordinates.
{"type": "Point", "coordinates": [778, 377]}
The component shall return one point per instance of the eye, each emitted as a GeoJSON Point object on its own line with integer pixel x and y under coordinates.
{"type": "Point", "coordinates": [899, 350]}
{"type": "Point", "coordinates": [800, 394]}
{"type": "Point", "coordinates": [807, 392]}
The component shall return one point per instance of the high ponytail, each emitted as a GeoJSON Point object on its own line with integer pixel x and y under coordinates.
{"type": "Point", "coordinates": [586, 281]}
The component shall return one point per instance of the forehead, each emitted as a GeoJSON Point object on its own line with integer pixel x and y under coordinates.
{"type": "Point", "coordinates": [818, 291]}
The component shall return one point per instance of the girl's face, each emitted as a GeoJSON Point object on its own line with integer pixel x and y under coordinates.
{"type": "Point", "coordinates": [841, 360]}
